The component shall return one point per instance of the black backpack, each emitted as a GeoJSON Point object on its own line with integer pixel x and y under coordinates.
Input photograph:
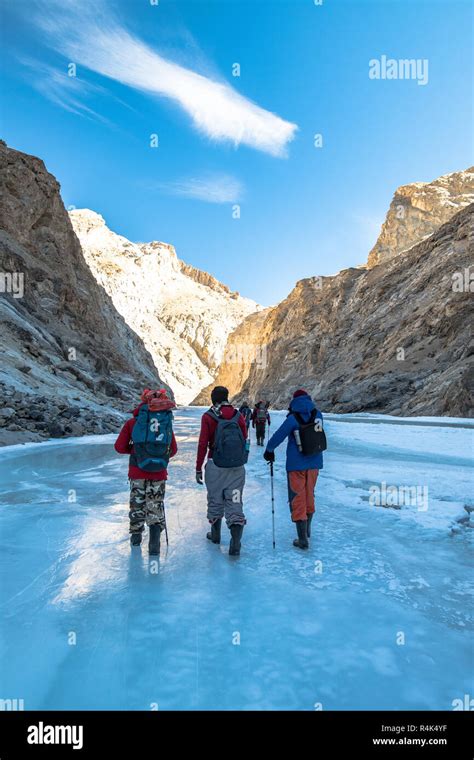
{"type": "Point", "coordinates": [311, 433]}
{"type": "Point", "coordinates": [230, 448]}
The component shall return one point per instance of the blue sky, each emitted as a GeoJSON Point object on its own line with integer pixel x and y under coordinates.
{"type": "Point", "coordinates": [166, 69]}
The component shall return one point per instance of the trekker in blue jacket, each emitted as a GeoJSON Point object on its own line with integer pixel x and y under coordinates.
{"type": "Point", "coordinates": [302, 469]}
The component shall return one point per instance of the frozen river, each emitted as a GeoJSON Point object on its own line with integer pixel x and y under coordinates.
{"type": "Point", "coordinates": [376, 615]}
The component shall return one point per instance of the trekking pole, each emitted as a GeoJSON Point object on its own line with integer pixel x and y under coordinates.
{"type": "Point", "coordinates": [273, 503]}
{"type": "Point", "coordinates": [166, 527]}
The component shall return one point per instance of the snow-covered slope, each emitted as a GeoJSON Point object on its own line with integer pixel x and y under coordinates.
{"type": "Point", "coordinates": [182, 314]}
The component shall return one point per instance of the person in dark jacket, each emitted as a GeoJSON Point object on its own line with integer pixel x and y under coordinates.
{"type": "Point", "coordinates": [260, 418]}
{"type": "Point", "coordinates": [246, 413]}
{"type": "Point", "coordinates": [302, 470]}
{"type": "Point", "coordinates": [224, 485]}
{"type": "Point", "coordinates": [147, 489]}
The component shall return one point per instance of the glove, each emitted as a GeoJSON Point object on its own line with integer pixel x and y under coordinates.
{"type": "Point", "coordinates": [269, 456]}
{"type": "Point", "coordinates": [199, 477]}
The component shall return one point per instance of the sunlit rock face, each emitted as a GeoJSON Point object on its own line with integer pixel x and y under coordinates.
{"type": "Point", "coordinates": [243, 350]}
{"type": "Point", "coordinates": [392, 338]}
{"type": "Point", "coordinates": [418, 209]}
{"type": "Point", "coordinates": [183, 315]}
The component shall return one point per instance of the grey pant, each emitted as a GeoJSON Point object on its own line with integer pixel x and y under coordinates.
{"type": "Point", "coordinates": [225, 487]}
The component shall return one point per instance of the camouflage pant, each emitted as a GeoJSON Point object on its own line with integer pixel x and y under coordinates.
{"type": "Point", "coordinates": [146, 504]}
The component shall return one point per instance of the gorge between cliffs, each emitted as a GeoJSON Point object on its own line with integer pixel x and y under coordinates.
{"type": "Point", "coordinates": [390, 336]}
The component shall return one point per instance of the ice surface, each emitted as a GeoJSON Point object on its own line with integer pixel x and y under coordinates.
{"type": "Point", "coordinates": [170, 639]}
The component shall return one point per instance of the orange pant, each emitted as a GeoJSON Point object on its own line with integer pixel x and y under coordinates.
{"type": "Point", "coordinates": [301, 485]}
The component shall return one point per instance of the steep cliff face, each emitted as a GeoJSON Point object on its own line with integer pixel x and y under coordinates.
{"type": "Point", "coordinates": [394, 338]}
{"type": "Point", "coordinates": [204, 278]}
{"type": "Point", "coordinates": [182, 314]}
{"type": "Point", "coordinates": [244, 349]}
{"type": "Point", "coordinates": [70, 364]}
{"type": "Point", "coordinates": [85, 328]}
{"type": "Point", "coordinates": [418, 209]}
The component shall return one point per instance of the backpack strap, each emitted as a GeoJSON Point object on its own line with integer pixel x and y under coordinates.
{"type": "Point", "coordinates": [146, 411]}
{"type": "Point", "coordinates": [218, 417]}
{"type": "Point", "coordinates": [298, 418]}
{"type": "Point", "coordinates": [212, 414]}
{"type": "Point", "coordinates": [301, 421]}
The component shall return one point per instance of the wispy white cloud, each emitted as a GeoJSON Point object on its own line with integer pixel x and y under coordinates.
{"type": "Point", "coordinates": [90, 35]}
{"type": "Point", "coordinates": [212, 188]}
{"type": "Point", "coordinates": [68, 92]}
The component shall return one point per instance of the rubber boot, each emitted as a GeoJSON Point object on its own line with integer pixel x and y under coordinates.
{"type": "Point", "coordinates": [154, 539]}
{"type": "Point", "coordinates": [214, 534]}
{"type": "Point", "coordinates": [236, 531]}
{"type": "Point", "coordinates": [308, 525]}
{"type": "Point", "coordinates": [302, 541]}
{"type": "Point", "coordinates": [135, 539]}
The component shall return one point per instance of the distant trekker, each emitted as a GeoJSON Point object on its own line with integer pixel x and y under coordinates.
{"type": "Point", "coordinates": [246, 413]}
{"type": "Point", "coordinates": [224, 437]}
{"type": "Point", "coordinates": [149, 440]}
{"type": "Point", "coordinates": [260, 418]}
{"type": "Point", "coordinates": [304, 459]}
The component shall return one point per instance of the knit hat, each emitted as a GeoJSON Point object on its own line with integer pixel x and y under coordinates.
{"type": "Point", "coordinates": [300, 392]}
{"type": "Point", "coordinates": [158, 401]}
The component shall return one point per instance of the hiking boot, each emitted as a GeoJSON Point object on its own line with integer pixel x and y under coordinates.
{"type": "Point", "coordinates": [308, 524]}
{"type": "Point", "coordinates": [135, 539]}
{"type": "Point", "coordinates": [214, 534]}
{"type": "Point", "coordinates": [154, 539]}
{"type": "Point", "coordinates": [236, 534]}
{"type": "Point", "coordinates": [302, 541]}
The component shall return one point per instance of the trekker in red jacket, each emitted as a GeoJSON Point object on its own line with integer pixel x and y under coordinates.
{"type": "Point", "coordinates": [147, 487]}
{"type": "Point", "coordinates": [223, 437]}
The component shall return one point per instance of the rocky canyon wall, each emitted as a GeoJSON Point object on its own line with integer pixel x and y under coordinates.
{"type": "Point", "coordinates": [70, 363]}
{"type": "Point", "coordinates": [390, 337]}
{"type": "Point", "coordinates": [182, 314]}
